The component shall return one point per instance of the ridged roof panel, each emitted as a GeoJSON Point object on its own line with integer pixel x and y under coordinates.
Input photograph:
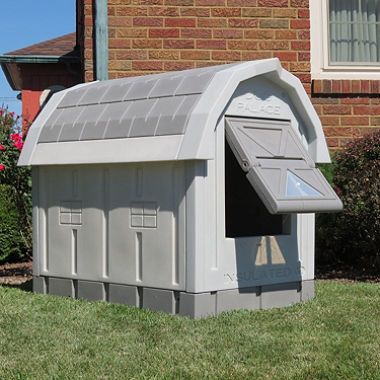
{"type": "Point", "coordinates": [152, 105]}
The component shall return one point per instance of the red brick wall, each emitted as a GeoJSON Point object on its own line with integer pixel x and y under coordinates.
{"type": "Point", "coordinates": [347, 108]}
{"type": "Point", "coordinates": [161, 35]}
{"type": "Point", "coordinates": [149, 36]}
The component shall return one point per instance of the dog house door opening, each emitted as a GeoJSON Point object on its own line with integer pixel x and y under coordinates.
{"type": "Point", "coordinates": [245, 213]}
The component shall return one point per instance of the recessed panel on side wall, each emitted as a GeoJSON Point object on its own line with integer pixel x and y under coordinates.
{"type": "Point", "coordinates": [88, 189]}
{"type": "Point", "coordinates": [56, 193]}
{"type": "Point", "coordinates": [74, 222]}
{"type": "Point", "coordinates": [121, 257]}
{"type": "Point", "coordinates": [146, 214]}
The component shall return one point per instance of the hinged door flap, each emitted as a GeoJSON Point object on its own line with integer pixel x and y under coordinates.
{"type": "Point", "coordinates": [279, 167]}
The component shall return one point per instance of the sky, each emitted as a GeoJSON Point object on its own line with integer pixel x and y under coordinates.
{"type": "Point", "coordinates": [26, 22]}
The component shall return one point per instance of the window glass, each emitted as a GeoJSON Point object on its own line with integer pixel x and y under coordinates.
{"type": "Point", "coordinates": [296, 187]}
{"type": "Point", "coordinates": [354, 32]}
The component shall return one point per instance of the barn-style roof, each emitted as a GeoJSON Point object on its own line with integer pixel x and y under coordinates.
{"type": "Point", "coordinates": [170, 116]}
{"type": "Point", "coordinates": [153, 105]}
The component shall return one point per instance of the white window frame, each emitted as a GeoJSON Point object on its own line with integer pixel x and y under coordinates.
{"type": "Point", "coordinates": [319, 40]}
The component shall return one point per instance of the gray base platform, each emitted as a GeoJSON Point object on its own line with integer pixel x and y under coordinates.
{"type": "Point", "coordinates": [185, 304]}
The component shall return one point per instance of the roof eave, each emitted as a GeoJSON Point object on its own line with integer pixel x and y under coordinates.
{"type": "Point", "coordinates": [37, 59]}
{"type": "Point", "coordinates": [7, 61]}
{"type": "Point", "coordinates": [9, 77]}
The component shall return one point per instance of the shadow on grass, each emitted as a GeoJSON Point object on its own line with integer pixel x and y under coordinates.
{"type": "Point", "coordinates": [17, 275]}
{"type": "Point", "coordinates": [26, 286]}
{"type": "Point", "coordinates": [345, 272]}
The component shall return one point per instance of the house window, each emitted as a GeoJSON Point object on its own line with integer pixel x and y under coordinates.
{"type": "Point", "coordinates": [354, 32]}
{"type": "Point", "coordinates": [345, 39]}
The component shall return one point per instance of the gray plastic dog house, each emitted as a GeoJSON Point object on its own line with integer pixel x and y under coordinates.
{"type": "Point", "coordinates": [189, 192]}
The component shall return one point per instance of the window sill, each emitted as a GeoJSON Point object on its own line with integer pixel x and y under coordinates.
{"type": "Point", "coordinates": [346, 73]}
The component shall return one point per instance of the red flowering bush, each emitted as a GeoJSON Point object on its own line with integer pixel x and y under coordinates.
{"type": "Point", "coordinates": [353, 236]}
{"type": "Point", "coordinates": [15, 182]}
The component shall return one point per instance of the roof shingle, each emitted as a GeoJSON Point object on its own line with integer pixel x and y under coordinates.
{"type": "Point", "coordinates": [60, 46]}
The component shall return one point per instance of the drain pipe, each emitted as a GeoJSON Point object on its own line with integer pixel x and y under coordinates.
{"type": "Point", "coordinates": [101, 39]}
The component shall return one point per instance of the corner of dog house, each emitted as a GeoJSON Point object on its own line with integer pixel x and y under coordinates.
{"type": "Point", "coordinates": [189, 192]}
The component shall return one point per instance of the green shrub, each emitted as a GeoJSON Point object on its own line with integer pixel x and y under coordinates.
{"type": "Point", "coordinates": [12, 245]}
{"type": "Point", "coordinates": [328, 171]}
{"type": "Point", "coordinates": [353, 236]}
{"type": "Point", "coordinates": [15, 198]}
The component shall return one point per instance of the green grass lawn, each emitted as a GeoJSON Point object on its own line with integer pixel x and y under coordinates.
{"type": "Point", "coordinates": [335, 336]}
